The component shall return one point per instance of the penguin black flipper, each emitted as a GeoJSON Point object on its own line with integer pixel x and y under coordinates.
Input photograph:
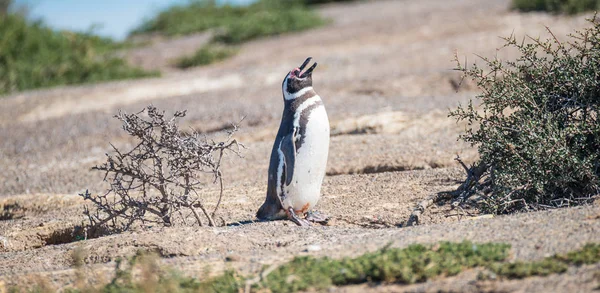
{"type": "Point", "coordinates": [284, 154]}
{"type": "Point", "coordinates": [288, 149]}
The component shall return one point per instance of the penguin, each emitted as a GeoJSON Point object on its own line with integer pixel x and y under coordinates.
{"type": "Point", "coordinates": [299, 153]}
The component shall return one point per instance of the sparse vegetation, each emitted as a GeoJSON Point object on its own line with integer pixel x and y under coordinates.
{"type": "Point", "coordinates": [537, 129]}
{"type": "Point", "coordinates": [414, 264]}
{"type": "Point", "coordinates": [235, 23]}
{"type": "Point", "coordinates": [206, 55]}
{"type": "Point", "coordinates": [557, 6]}
{"type": "Point", "coordinates": [589, 254]}
{"type": "Point", "coordinates": [156, 279]}
{"type": "Point", "coordinates": [520, 269]}
{"type": "Point", "coordinates": [34, 56]}
{"type": "Point", "coordinates": [159, 180]}
{"type": "Point", "coordinates": [232, 24]}
{"type": "Point", "coordinates": [268, 18]}
{"type": "Point", "coordinates": [194, 16]}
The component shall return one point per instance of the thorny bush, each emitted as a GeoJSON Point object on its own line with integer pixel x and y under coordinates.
{"type": "Point", "coordinates": [537, 128]}
{"type": "Point", "coordinates": [158, 180]}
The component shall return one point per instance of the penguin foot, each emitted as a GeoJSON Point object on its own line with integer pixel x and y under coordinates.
{"type": "Point", "coordinates": [294, 218]}
{"type": "Point", "coordinates": [317, 217]}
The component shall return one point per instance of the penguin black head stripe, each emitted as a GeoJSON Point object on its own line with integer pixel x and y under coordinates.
{"type": "Point", "coordinates": [300, 150]}
{"type": "Point", "coordinates": [296, 80]}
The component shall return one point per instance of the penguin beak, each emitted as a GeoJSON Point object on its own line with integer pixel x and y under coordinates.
{"type": "Point", "coordinates": [308, 72]}
{"type": "Point", "coordinates": [305, 63]}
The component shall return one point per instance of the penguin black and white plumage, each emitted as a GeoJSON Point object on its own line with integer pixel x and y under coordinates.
{"type": "Point", "coordinates": [299, 154]}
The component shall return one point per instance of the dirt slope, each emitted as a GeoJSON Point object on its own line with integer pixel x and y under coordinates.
{"type": "Point", "coordinates": [385, 76]}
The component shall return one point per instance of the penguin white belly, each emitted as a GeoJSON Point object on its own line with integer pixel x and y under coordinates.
{"type": "Point", "coordinates": [304, 191]}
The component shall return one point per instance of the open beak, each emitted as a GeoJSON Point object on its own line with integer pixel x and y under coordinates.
{"type": "Point", "coordinates": [309, 71]}
{"type": "Point", "coordinates": [305, 63]}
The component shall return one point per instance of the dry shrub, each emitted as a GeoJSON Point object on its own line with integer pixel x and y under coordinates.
{"type": "Point", "coordinates": [158, 180]}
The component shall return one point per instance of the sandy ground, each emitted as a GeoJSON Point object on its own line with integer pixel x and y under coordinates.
{"type": "Point", "coordinates": [385, 76]}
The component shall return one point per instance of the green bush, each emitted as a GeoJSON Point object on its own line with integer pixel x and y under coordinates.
{"type": "Point", "coordinates": [268, 23]}
{"type": "Point", "coordinates": [537, 129]}
{"type": "Point", "coordinates": [206, 55]}
{"type": "Point", "coordinates": [34, 56]}
{"type": "Point", "coordinates": [235, 23]}
{"type": "Point", "coordinates": [196, 16]}
{"type": "Point", "coordinates": [557, 6]}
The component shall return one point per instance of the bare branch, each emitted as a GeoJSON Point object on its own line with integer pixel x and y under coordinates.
{"type": "Point", "coordinates": [160, 175]}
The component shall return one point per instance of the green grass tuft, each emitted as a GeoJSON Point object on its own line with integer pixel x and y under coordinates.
{"type": "Point", "coordinates": [415, 263]}
{"type": "Point", "coordinates": [519, 270]}
{"type": "Point", "coordinates": [236, 23]}
{"type": "Point", "coordinates": [195, 16]}
{"type": "Point", "coordinates": [269, 22]}
{"type": "Point", "coordinates": [589, 254]}
{"type": "Point", "coordinates": [206, 55]}
{"type": "Point", "coordinates": [229, 282]}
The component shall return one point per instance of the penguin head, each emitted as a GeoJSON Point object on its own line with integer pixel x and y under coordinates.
{"type": "Point", "coordinates": [296, 80]}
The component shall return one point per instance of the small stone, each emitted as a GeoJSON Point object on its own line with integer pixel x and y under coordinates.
{"type": "Point", "coordinates": [312, 248]}
{"type": "Point", "coordinates": [3, 243]}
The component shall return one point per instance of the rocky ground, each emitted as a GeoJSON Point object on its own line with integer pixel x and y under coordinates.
{"type": "Point", "coordinates": [385, 76]}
